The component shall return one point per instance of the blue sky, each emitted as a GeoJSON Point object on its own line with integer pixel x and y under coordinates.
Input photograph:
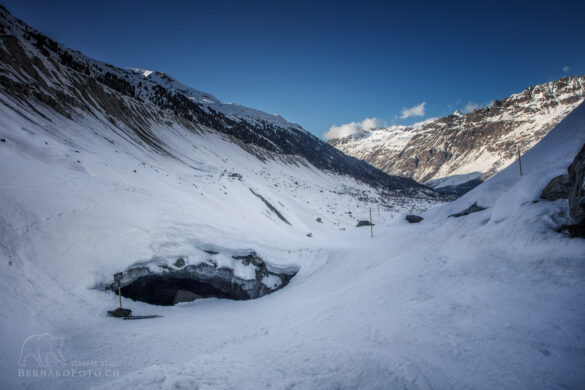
{"type": "Point", "coordinates": [329, 63]}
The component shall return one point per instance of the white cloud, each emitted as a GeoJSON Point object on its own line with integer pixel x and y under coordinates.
{"type": "Point", "coordinates": [353, 128]}
{"type": "Point", "coordinates": [413, 111]}
{"type": "Point", "coordinates": [471, 106]}
{"type": "Point", "coordinates": [566, 69]}
{"type": "Point", "coordinates": [423, 122]}
{"type": "Point", "coordinates": [371, 123]}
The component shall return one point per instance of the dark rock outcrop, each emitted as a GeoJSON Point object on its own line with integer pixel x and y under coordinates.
{"type": "Point", "coordinates": [474, 208]}
{"type": "Point", "coordinates": [252, 258]}
{"type": "Point", "coordinates": [577, 192]}
{"type": "Point", "coordinates": [120, 313]}
{"type": "Point", "coordinates": [180, 263]}
{"type": "Point", "coordinates": [575, 230]}
{"type": "Point", "coordinates": [413, 218]}
{"type": "Point", "coordinates": [557, 188]}
{"type": "Point", "coordinates": [271, 207]}
{"type": "Point", "coordinates": [572, 187]}
{"type": "Point", "coordinates": [364, 223]}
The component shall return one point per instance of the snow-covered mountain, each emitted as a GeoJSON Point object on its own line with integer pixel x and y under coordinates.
{"type": "Point", "coordinates": [94, 182]}
{"type": "Point", "coordinates": [136, 151]}
{"type": "Point", "coordinates": [107, 170]}
{"type": "Point", "coordinates": [37, 69]}
{"type": "Point", "coordinates": [488, 300]}
{"type": "Point", "coordinates": [456, 152]}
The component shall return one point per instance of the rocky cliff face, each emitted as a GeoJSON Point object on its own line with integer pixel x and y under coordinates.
{"type": "Point", "coordinates": [43, 74]}
{"type": "Point", "coordinates": [576, 193]}
{"type": "Point", "coordinates": [465, 149]}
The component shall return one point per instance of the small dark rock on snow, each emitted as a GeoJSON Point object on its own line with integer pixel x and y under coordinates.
{"type": "Point", "coordinates": [319, 220]}
{"type": "Point", "coordinates": [120, 312]}
{"type": "Point", "coordinates": [474, 208]}
{"type": "Point", "coordinates": [364, 223]}
{"type": "Point", "coordinates": [180, 263]}
{"type": "Point", "coordinates": [251, 258]}
{"type": "Point", "coordinates": [413, 218]}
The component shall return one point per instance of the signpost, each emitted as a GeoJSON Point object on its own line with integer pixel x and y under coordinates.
{"type": "Point", "coordinates": [120, 312]}
{"type": "Point", "coordinates": [118, 278]}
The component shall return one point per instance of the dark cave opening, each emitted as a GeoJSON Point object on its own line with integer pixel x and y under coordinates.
{"type": "Point", "coordinates": [180, 282]}
{"type": "Point", "coordinates": [168, 290]}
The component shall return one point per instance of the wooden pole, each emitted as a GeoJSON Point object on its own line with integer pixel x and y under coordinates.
{"type": "Point", "coordinates": [379, 218]}
{"type": "Point", "coordinates": [519, 159]}
{"type": "Point", "coordinates": [120, 294]}
{"type": "Point", "coordinates": [371, 224]}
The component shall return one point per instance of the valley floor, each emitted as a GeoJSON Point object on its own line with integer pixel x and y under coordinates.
{"type": "Point", "coordinates": [419, 306]}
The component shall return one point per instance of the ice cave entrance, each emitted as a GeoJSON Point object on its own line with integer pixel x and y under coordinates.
{"type": "Point", "coordinates": [168, 290]}
{"type": "Point", "coordinates": [236, 276]}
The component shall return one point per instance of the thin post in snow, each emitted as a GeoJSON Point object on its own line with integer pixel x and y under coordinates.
{"type": "Point", "coordinates": [379, 218]}
{"type": "Point", "coordinates": [117, 278]}
{"type": "Point", "coordinates": [371, 224]}
{"type": "Point", "coordinates": [519, 159]}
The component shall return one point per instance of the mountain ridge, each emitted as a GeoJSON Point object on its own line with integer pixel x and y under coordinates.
{"type": "Point", "coordinates": [463, 149]}
{"type": "Point", "coordinates": [35, 67]}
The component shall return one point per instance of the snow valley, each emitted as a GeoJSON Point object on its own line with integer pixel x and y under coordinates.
{"type": "Point", "coordinates": [238, 230]}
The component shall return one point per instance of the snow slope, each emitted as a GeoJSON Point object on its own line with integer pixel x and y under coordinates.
{"type": "Point", "coordinates": [81, 199]}
{"type": "Point", "coordinates": [41, 72]}
{"type": "Point", "coordinates": [491, 300]}
{"type": "Point", "coordinates": [83, 181]}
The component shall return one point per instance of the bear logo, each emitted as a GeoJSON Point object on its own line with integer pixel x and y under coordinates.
{"type": "Point", "coordinates": [43, 349]}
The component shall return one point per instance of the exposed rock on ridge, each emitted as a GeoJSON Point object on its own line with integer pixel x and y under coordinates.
{"type": "Point", "coordinates": [474, 146]}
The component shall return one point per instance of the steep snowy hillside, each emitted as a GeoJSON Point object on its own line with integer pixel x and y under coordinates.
{"type": "Point", "coordinates": [463, 150]}
{"type": "Point", "coordinates": [489, 300]}
{"type": "Point", "coordinates": [82, 199]}
{"type": "Point", "coordinates": [98, 176]}
{"type": "Point", "coordinates": [95, 182]}
{"type": "Point", "coordinates": [38, 70]}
